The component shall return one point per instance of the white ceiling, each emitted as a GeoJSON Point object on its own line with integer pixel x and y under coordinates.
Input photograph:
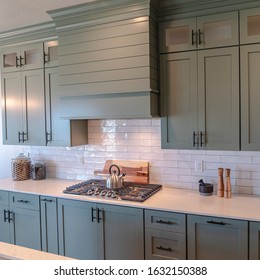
{"type": "Point", "coordinates": [19, 13]}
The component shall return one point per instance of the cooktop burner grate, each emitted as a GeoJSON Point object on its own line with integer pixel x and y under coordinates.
{"type": "Point", "coordinates": [130, 191]}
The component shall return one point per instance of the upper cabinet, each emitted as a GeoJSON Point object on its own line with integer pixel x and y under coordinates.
{"type": "Point", "coordinates": [26, 57]}
{"type": "Point", "coordinates": [108, 59]}
{"type": "Point", "coordinates": [51, 54]}
{"type": "Point", "coordinates": [250, 26]}
{"type": "Point", "coordinates": [209, 31]}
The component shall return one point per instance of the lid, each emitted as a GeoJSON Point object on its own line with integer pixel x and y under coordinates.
{"type": "Point", "coordinates": [21, 157]}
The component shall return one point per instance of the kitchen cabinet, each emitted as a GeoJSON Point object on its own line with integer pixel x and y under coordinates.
{"type": "Point", "coordinates": [250, 100]}
{"type": "Point", "coordinates": [250, 26]}
{"type": "Point", "coordinates": [209, 31]}
{"type": "Point", "coordinates": [23, 107]}
{"type": "Point", "coordinates": [210, 238]}
{"type": "Point", "coordinates": [200, 99]}
{"type": "Point", "coordinates": [98, 231]}
{"type": "Point", "coordinates": [165, 235]}
{"type": "Point", "coordinates": [25, 57]}
{"type": "Point", "coordinates": [51, 58]}
{"type": "Point", "coordinates": [49, 224]}
{"type": "Point", "coordinates": [254, 240]}
{"type": "Point", "coordinates": [20, 220]}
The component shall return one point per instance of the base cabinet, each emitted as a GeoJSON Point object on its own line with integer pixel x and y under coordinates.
{"type": "Point", "coordinates": [99, 231]}
{"type": "Point", "coordinates": [165, 235]}
{"type": "Point", "coordinates": [20, 220]}
{"type": "Point", "coordinates": [49, 224]}
{"type": "Point", "coordinates": [211, 238]}
{"type": "Point", "coordinates": [254, 241]}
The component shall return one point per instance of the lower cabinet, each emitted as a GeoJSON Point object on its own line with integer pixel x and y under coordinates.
{"type": "Point", "coordinates": [20, 220]}
{"type": "Point", "coordinates": [165, 235]}
{"type": "Point", "coordinates": [49, 224]}
{"type": "Point", "coordinates": [254, 240]}
{"type": "Point", "coordinates": [98, 231]}
{"type": "Point", "coordinates": [212, 238]}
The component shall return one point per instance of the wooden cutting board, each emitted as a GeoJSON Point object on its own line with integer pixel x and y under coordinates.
{"type": "Point", "coordinates": [136, 171]}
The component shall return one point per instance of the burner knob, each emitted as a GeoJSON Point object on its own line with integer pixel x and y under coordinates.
{"type": "Point", "coordinates": [114, 195]}
{"type": "Point", "coordinates": [97, 192]}
{"type": "Point", "coordinates": [90, 192]}
{"type": "Point", "coordinates": [109, 193]}
{"type": "Point", "coordinates": [103, 193]}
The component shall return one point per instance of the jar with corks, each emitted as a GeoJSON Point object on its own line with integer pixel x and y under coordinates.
{"type": "Point", "coordinates": [21, 168]}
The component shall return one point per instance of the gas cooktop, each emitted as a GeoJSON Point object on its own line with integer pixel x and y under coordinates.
{"type": "Point", "coordinates": [130, 191]}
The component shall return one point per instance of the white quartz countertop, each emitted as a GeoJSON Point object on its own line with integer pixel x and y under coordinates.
{"type": "Point", "coordinates": [243, 207]}
{"type": "Point", "coordinates": [15, 252]}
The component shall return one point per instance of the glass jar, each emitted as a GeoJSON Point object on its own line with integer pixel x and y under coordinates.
{"type": "Point", "coordinates": [38, 170]}
{"type": "Point", "coordinates": [21, 168]}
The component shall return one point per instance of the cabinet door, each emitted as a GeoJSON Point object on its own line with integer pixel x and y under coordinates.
{"type": "Point", "coordinates": [211, 238]}
{"type": "Point", "coordinates": [58, 129]}
{"type": "Point", "coordinates": [250, 26]}
{"type": "Point", "coordinates": [49, 225]}
{"type": "Point", "coordinates": [179, 100]}
{"type": "Point", "coordinates": [77, 229]}
{"type": "Point", "coordinates": [217, 30]}
{"type": "Point", "coordinates": [121, 234]}
{"type": "Point", "coordinates": [11, 107]}
{"type": "Point", "coordinates": [34, 107]}
{"type": "Point", "coordinates": [250, 99]}
{"type": "Point", "coordinates": [10, 60]}
{"type": "Point", "coordinates": [4, 225]}
{"type": "Point", "coordinates": [178, 35]}
{"type": "Point", "coordinates": [51, 54]}
{"type": "Point", "coordinates": [25, 228]}
{"type": "Point", "coordinates": [254, 241]}
{"type": "Point", "coordinates": [31, 56]}
{"type": "Point", "coordinates": [218, 93]}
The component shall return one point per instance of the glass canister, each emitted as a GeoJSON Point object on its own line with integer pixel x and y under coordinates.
{"type": "Point", "coordinates": [21, 168]}
{"type": "Point", "coordinates": [38, 170]}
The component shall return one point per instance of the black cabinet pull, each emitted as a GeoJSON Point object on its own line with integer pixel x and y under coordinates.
{"type": "Point", "coordinates": [164, 249]}
{"type": "Point", "coordinates": [216, 223]}
{"type": "Point", "coordinates": [5, 216]}
{"type": "Point", "coordinates": [48, 137]}
{"type": "Point", "coordinates": [46, 200]}
{"type": "Point", "coordinates": [21, 58]}
{"type": "Point", "coordinates": [9, 216]}
{"type": "Point", "coordinates": [200, 35]}
{"type": "Point", "coordinates": [98, 215]}
{"type": "Point", "coordinates": [23, 201]}
{"type": "Point", "coordinates": [19, 137]}
{"type": "Point", "coordinates": [92, 214]}
{"type": "Point", "coordinates": [164, 222]}
{"type": "Point", "coordinates": [201, 139]}
{"type": "Point", "coordinates": [193, 34]}
{"type": "Point", "coordinates": [195, 139]}
{"type": "Point", "coordinates": [16, 62]}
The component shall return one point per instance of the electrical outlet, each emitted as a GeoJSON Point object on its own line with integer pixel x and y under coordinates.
{"type": "Point", "coordinates": [199, 166]}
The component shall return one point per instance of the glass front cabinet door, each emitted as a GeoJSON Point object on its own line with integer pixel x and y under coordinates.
{"type": "Point", "coordinates": [250, 26]}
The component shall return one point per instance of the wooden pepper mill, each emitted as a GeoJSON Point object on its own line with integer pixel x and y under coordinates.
{"type": "Point", "coordinates": [220, 192]}
{"type": "Point", "coordinates": [227, 189]}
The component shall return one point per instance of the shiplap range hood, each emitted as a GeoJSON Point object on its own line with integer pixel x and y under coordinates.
{"type": "Point", "coordinates": [108, 59]}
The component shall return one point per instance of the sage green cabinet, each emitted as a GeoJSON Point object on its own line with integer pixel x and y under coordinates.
{"type": "Point", "coordinates": [250, 99]}
{"type": "Point", "coordinates": [250, 26]}
{"type": "Point", "coordinates": [24, 57]}
{"type": "Point", "coordinates": [49, 224]}
{"type": "Point", "coordinates": [202, 32]}
{"type": "Point", "coordinates": [254, 240]}
{"type": "Point", "coordinates": [165, 235]}
{"type": "Point", "coordinates": [200, 99]}
{"type": "Point", "coordinates": [97, 231]}
{"type": "Point", "coordinates": [20, 220]}
{"type": "Point", "coordinates": [23, 107]}
{"type": "Point", "coordinates": [213, 238]}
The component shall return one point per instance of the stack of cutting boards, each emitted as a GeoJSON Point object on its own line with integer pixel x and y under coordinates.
{"type": "Point", "coordinates": [136, 171]}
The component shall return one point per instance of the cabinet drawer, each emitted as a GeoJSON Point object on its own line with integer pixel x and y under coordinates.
{"type": "Point", "coordinates": [26, 201]}
{"type": "Point", "coordinates": [165, 221]}
{"type": "Point", "coordinates": [3, 198]}
{"type": "Point", "coordinates": [161, 245]}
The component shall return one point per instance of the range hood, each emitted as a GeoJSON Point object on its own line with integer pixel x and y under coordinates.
{"type": "Point", "coordinates": [108, 59]}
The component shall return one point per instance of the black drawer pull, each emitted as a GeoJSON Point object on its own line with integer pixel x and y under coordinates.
{"type": "Point", "coordinates": [46, 200]}
{"type": "Point", "coordinates": [164, 249]}
{"type": "Point", "coordinates": [23, 201]}
{"type": "Point", "coordinates": [165, 222]}
{"type": "Point", "coordinates": [5, 217]}
{"type": "Point", "coordinates": [216, 223]}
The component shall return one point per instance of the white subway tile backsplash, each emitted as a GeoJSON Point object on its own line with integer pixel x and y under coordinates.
{"type": "Point", "coordinates": [141, 140]}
